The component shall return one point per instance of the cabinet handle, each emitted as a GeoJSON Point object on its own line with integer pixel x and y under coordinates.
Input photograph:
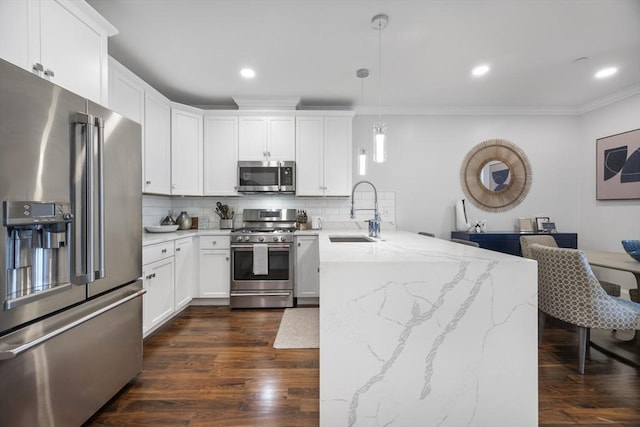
{"type": "Point", "coordinates": [177, 249]}
{"type": "Point", "coordinates": [299, 244]}
{"type": "Point", "coordinates": [164, 251]}
{"type": "Point", "coordinates": [148, 182]}
{"type": "Point", "coordinates": [49, 73]}
{"type": "Point", "coordinates": [153, 276]}
{"type": "Point", "coordinates": [213, 242]}
{"type": "Point", "coordinates": [226, 258]}
{"type": "Point", "coordinates": [37, 68]}
{"type": "Point", "coordinates": [174, 186]}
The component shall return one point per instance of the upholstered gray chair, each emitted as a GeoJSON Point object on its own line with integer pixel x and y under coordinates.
{"type": "Point", "coordinates": [548, 240]}
{"type": "Point", "coordinates": [568, 290]}
{"type": "Point", "coordinates": [466, 242]}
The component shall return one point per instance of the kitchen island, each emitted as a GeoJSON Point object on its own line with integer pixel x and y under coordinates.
{"type": "Point", "coordinates": [422, 331]}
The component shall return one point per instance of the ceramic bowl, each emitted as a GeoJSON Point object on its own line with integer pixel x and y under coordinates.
{"type": "Point", "coordinates": [161, 228]}
{"type": "Point", "coordinates": [633, 248]}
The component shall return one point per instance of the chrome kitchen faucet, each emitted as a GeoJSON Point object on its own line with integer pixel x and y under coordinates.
{"type": "Point", "coordinates": [374, 224]}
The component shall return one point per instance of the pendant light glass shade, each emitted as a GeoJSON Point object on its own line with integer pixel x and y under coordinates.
{"type": "Point", "coordinates": [379, 143]}
{"type": "Point", "coordinates": [362, 162]}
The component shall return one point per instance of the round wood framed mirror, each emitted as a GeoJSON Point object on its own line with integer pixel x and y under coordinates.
{"type": "Point", "coordinates": [496, 175]}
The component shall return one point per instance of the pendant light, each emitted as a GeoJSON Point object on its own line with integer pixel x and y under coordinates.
{"type": "Point", "coordinates": [362, 74]}
{"type": "Point", "coordinates": [379, 23]}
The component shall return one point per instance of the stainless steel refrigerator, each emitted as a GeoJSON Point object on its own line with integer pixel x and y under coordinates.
{"type": "Point", "coordinates": [70, 253]}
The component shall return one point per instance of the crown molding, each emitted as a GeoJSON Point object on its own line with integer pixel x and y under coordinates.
{"type": "Point", "coordinates": [610, 99]}
{"type": "Point", "coordinates": [469, 111]}
{"type": "Point", "coordinates": [500, 111]}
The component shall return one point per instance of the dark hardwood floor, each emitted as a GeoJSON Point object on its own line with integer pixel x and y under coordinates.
{"type": "Point", "coordinates": [213, 366]}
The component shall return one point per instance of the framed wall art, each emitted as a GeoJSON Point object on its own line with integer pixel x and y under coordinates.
{"type": "Point", "coordinates": [618, 166]}
{"type": "Point", "coordinates": [540, 221]}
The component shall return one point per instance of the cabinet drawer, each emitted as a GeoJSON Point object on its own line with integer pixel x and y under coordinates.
{"type": "Point", "coordinates": [157, 252]}
{"type": "Point", "coordinates": [214, 242]}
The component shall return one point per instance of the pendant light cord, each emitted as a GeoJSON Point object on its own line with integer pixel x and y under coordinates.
{"type": "Point", "coordinates": [379, 69]}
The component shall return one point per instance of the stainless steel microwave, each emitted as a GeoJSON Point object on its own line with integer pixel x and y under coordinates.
{"type": "Point", "coordinates": [266, 177]}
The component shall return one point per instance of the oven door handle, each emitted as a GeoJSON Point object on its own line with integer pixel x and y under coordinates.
{"type": "Point", "coordinates": [271, 246]}
{"type": "Point", "coordinates": [260, 294]}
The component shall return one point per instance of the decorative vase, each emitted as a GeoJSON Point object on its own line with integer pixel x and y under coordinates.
{"type": "Point", "coordinates": [184, 221]}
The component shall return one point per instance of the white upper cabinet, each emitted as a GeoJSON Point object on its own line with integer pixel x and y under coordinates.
{"type": "Point", "coordinates": [126, 92]}
{"type": "Point", "coordinates": [61, 40]}
{"type": "Point", "coordinates": [323, 155]}
{"type": "Point", "coordinates": [281, 138]}
{"type": "Point", "coordinates": [186, 151]}
{"type": "Point", "coordinates": [133, 98]}
{"type": "Point", "coordinates": [337, 165]}
{"type": "Point", "coordinates": [309, 157]}
{"type": "Point", "coordinates": [266, 138]}
{"type": "Point", "coordinates": [157, 144]}
{"type": "Point", "coordinates": [220, 155]}
{"type": "Point", "coordinates": [252, 143]}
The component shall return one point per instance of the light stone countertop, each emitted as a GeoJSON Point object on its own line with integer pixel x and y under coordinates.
{"type": "Point", "coordinates": [404, 246]}
{"type": "Point", "coordinates": [152, 238]}
{"type": "Point", "coordinates": [419, 331]}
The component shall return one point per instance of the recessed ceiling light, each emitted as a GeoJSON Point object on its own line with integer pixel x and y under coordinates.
{"type": "Point", "coordinates": [480, 70]}
{"type": "Point", "coordinates": [606, 72]}
{"type": "Point", "coordinates": [247, 73]}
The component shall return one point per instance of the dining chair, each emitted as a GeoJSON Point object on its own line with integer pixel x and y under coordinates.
{"type": "Point", "coordinates": [568, 290]}
{"type": "Point", "coordinates": [466, 242]}
{"type": "Point", "coordinates": [548, 240]}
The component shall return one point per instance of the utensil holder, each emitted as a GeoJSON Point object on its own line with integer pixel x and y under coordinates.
{"type": "Point", "coordinates": [226, 224]}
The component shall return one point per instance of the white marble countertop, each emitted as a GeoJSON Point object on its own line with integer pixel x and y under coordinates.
{"type": "Point", "coordinates": [404, 246]}
{"type": "Point", "coordinates": [419, 331]}
{"type": "Point", "coordinates": [152, 238]}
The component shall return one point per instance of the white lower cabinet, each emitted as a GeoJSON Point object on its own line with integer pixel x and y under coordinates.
{"type": "Point", "coordinates": [307, 273]}
{"type": "Point", "coordinates": [215, 267]}
{"type": "Point", "coordinates": [185, 272]}
{"type": "Point", "coordinates": [158, 302]}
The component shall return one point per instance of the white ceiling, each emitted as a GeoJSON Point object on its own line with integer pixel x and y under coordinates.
{"type": "Point", "coordinates": [192, 51]}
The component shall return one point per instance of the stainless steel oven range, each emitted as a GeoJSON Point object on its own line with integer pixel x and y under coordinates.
{"type": "Point", "coordinates": [262, 259]}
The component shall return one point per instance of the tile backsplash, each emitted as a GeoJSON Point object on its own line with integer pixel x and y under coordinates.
{"type": "Point", "coordinates": [333, 210]}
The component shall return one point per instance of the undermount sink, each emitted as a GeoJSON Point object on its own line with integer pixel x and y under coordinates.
{"type": "Point", "coordinates": [351, 239]}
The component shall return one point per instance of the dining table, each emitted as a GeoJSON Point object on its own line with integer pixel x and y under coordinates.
{"type": "Point", "coordinates": [624, 345]}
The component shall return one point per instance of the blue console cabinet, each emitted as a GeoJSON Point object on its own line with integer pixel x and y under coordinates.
{"type": "Point", "coordinates": [508, 242]}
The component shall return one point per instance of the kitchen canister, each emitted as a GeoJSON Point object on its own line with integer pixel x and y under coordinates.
{"type": "Point", "coordinates": [184, 221]}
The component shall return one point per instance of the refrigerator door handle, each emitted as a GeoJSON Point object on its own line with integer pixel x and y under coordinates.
{"type": "Point", "coordinates": [100, 272]}
{"type": "Point", "coordinates": [82, 200]}
{"type": "Point", "coordinates": [10, 351]}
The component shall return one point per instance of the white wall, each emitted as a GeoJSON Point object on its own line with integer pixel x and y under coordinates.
{"type": "Point", "coordinates": [425, 154]}
{"type": "Point", "coordinates": [603, 223]}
